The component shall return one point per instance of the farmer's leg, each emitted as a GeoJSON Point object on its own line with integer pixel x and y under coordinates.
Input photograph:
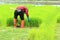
{"type": "Point", "coordinates": [15, 17]}
{"type": "Point", "coordinates": [14, 22]}
{"type": "Point", "coordinates": [22, 23]}
{"type": "Point", "coordinates": [22, 18]}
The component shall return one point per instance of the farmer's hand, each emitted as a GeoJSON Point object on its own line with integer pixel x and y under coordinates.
{"type": "Point", "coordinates": [28, 19]}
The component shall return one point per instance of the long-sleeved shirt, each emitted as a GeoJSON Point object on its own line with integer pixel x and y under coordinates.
{"type": "Point", "coordinates": [23, 8]}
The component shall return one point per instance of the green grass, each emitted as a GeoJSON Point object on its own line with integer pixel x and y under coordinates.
{"type": "Point", "coordinates": [47, 13]}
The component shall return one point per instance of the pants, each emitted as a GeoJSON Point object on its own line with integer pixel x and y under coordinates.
{"type": "Point", "coordinates": [21, 14]}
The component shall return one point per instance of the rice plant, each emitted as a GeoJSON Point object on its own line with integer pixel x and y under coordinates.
{"type": "Point", "coordinates": [33, 22]}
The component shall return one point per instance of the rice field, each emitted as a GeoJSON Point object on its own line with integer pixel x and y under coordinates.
{"type": "Point", "coordinates": [43, 20]}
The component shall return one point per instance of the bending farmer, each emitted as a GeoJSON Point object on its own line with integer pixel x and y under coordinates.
{"type": "Point", "coordinates": [20, 10]}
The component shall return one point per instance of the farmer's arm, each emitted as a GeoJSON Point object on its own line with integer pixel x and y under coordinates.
{"type": "Point", "coordinates": [27, 15]}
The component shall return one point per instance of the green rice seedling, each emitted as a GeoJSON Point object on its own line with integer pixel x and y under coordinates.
{"type": "Point", "coordinates": [33, 22]}
{"type": "Point", "coordinates": [58, 20]}
{"type": "Point", "coordinates": [10, 22]}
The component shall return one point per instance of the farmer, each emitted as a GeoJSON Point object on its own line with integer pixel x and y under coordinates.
{"type": "Point", "coordinates": [20, 10]}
